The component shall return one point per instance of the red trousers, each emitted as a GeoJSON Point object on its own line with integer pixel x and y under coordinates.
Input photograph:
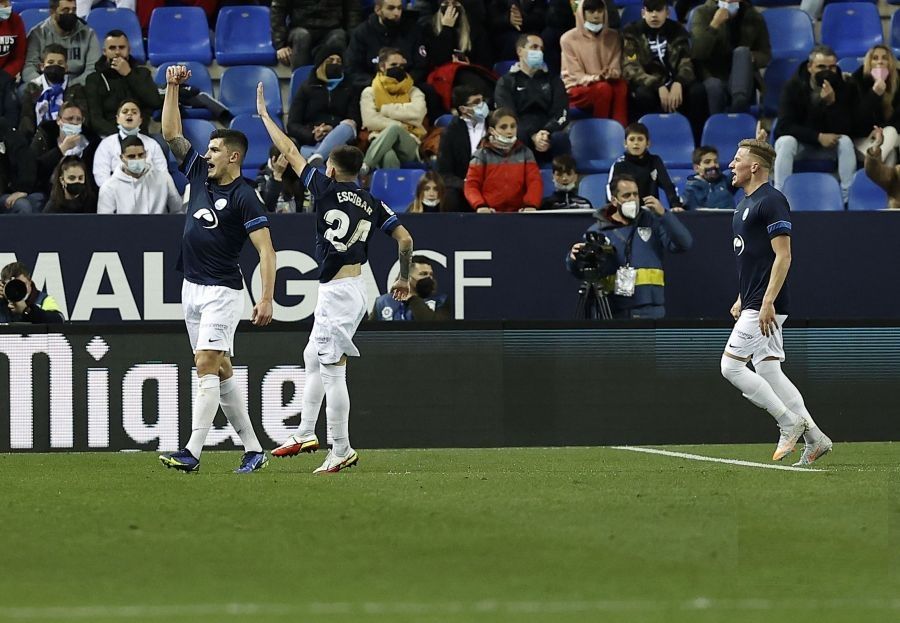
{"type": "Point", "coordinates": [606, 99]}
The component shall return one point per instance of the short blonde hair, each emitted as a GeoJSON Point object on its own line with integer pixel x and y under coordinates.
{"type": "Point", "coordinates": [761, 151]}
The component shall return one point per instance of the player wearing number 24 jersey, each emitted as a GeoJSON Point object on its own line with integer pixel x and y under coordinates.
{"type": "Point", "coordinates": [345, 217]}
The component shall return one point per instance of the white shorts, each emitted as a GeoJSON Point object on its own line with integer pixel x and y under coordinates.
{"type": "Point", "coordinates": [747, 340]}
{"type": "Point", "coordinates": [339, 310]}
{"type": "Point", "coordinates": [211, 314]}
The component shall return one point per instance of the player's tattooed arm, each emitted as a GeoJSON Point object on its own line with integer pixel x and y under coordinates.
{"type": "Point", "coordinates": [176, 75]}
{"type": "Point", "coordinates": [179, 146]}
{"type": "Point", "coordinates": [400, 289]}
{"type": "Point", "coordinates": [405, 257]}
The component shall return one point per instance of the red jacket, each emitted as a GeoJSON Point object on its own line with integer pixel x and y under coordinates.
{"type": "Point", "coordinates": [504, 182]}
{"type": "Point", "coordinates": [12, 44]}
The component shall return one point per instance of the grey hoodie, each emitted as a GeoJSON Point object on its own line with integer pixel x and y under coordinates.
{"type": "Point", "coordinates": [82, 45]}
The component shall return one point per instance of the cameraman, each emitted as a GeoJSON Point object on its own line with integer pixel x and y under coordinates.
{"type": "Point", "coordinates": [423, 303]}
{"type": "Point", "coordinates": [638, 235]}
{"type": "Point", "coordinates": [20, 301]}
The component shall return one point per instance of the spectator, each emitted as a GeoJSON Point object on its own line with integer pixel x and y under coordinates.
{"type": "Point", "coordinates": [388, 27]}
{"type": "Point", "coordinates": [565, 183]}
{"type": "Point", "coordinates": [324, 113]}
{"type": "Point", "coordinates": [136, 187]}
{"type": "Point", "coordinates": [63, 137]}
{"type": "Point", "coordinates": [647, 169]}
{"type": "Point", "coordinates": [118, 77]}
{"type": "Point", "coordinates": [393, 111]}
{"type": "Point", "coordinates": [459, 141]}
{"type": "Point", "coordinates": [43, 97]}
{"type": "Point", "coordinates": [429, 194]}
{"type": "Point", "coordinates": [816, 116]}
{"type": "Point", "coordinates": [537, 98]}
{"type": "Point", "coordinates": [108, 155]}
{"type": "Point", "coordinates": [560, 19]}
{"type": "Point", "coordinates": [592, 64]}
{"type": "Point", "coordinates": [708, 187]}
{"type": "Point", "coordinates": [503, 175]}
{"type": "Point", "coordinates": [887, 177]}
{"type": "Point", "coordinates": [299, 27]}
{"type": "Point", "coordinates": [12, 60]}
{"type": "Point", "coordinates": [730, 46]}
{"type": "Point", "coordinates": [18, 174]}
{"type": "Point", "coordinates": [35, 306]}
{"type": "Point", "coordinates": [63, 27]}
{"type": "Point", "coordinates": [659, 69]}
{"type": "Point", "coordinates": [83, 7]}
{"type": "Point", "coordinates": [510, 19]}
{"type": "Point", "coordinates": [424, 303]}
{"type": "Point", "coordinates": [72, 191]}
{"type": "Point", "coordinates": [278, 185]}
{"type": "Point", "coordinates": [640, 232]}
{"type": "Point", "coordinates": [879, 101]}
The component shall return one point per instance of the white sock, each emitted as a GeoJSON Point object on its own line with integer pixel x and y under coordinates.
{"type": "Point", "coordinates": [337, 406]}
{"type": "Point", "coordinates": [790, 395]}
{"type": "Point", "coordinates": [235, 409]}
{"type": "Point", "coordinates": [205, 407]}
{"type": "Point", "coordinates": [313, 392]}
{"type": "Point", "coordinates": [756, 390]}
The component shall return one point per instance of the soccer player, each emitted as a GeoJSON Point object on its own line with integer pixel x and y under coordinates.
{"type": "Point", "coordinates": [345, 214]}
{"type": "Point", "coordinates": [762, 245]}
{"type": "Point", "coordinates": [222, 213]}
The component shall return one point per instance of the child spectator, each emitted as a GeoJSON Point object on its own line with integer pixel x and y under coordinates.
{"type": "Point", "coordinates": [648, 169]}
{"type": "Point", "coordinates": [460, 139]}
{"type": "Point", "coordinates": [565, 183]}
{"type": "Point", "coordinates": [429, 194]}
{"type": "Point", "coordinates": [708, 187]}
{"type": "Point", "coordinates": [43, 97]}
{"type": "Point", "coordinates": [503, 175]}
{"type": "Point", "coordinates": [72, 191]}
{"type": "Point", "coordinates": [879, 102]}
{"type": "Point", "coordinates": [128, 123]}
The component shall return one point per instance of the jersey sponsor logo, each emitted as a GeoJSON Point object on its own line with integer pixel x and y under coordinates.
{"type": "Point", "coordinates": [745, 214]}
{"type": "Point", "coordinates": [221, 203]}
{"type": "Point", "coordinates": [645, 233]}
{"type": "Point", "coordinates": [738, 244]}
{"type": "Point", "coordinates": [208, 218]}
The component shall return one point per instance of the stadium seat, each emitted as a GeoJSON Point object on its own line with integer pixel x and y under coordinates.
{"type": "Point", "coordinates": [237, 89]}
{"type": "Point", "coordinates": [547, 180]}
{"type": "Point", "coordinates": [298, 77]}
{"type": "Point", "coordinates": [197, 132]}
{"type": "Point", "coordinates": [895, 32]}
{"type": "Point", "coordinates": [774, 3]}
{"type": "Point", "coordinates": [502, 67]}
{"type": "Point", "coordinates": [244, 36]}
{"type": "Point", "coordinates": [258, 138]}
{"type": "Point", "coordinates": [596, 143]}
{"type": "Point", "coordinates": [199, 78]}
{"type": "Point", "coordinates": [851, 28]}
{"type": "Point", "coordinates": [396, 187]}
{"type": "Point", "coordinates": [23, 5]}
{"type": "Point", "coordinates": [33, 17]}
{"type": "Point", "coordinates": [102, 20]}
{"type": "Point", "coordinates": [679, 177]}
{"type": "Point", "coordinates": [670, 138]}
{"type": "Point", "coordinates": [790, 31]}
{"type": "Point", "coordinates": [593, 188]}
{"type": "Point", "coordinates": [443, 121]}
{"type": "Point", "coordinates": [813, 192]}
{"type": "Point", "coordinates": [849, 64]}
{"type": "Point", "coordinates": [178, 33]}
{"type": "Point", "coordinates": [866, 194]}
{"type": "Point", "coordinates": [779, 71]}
{"type": "Point", "coordinates": [724, 131]}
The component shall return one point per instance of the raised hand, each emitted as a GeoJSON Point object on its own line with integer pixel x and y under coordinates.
{"type": "Point", "coordinates": [261, 109]}
{"type": "Point", "coordinates": [177, 74]}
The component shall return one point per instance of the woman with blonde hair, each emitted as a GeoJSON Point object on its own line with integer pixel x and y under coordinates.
{"type": "Point", "coordinates": [879, 101]}
{"type": "Point", "coordinates": [429, 194]}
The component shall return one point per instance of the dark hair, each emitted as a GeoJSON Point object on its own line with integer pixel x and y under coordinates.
{"type": "Point", "coordinates": [129, 100]}
{"type": "Point", "coordinates": [54, 4]}
{"type": "Point", "coordinates": [655, 5]}
{"type": "Point", "coordinates": [347, 159]}
{"type": "Point", "coordinates": [637, 128]}
{"type": "Point", "coordinates": [132, 141]}
{"type": "Point", "coordinates": [564, 162]}
{"type": "Point", "coordinates": [234, 140]}
{"type": "Point", "coordinates": [822, 49]}
{"type": "Point", "coordinates": [498, 114]}
{"type": "Point", "coordinates": [57, 194]}
{"type": "Point", "coordinates": [616, 181]}
{"type": "Point", "coordinates": [54, 48]}
{"type": "Point", "coordinates": [698, 154]}
{"type": "Point", "coordinates": [70, 104]}
{"type": "Point", "coordinates": [462, 93]}
{"type": "Point", "coordinates": [16, 269]}
{"type": "Point", "coordinates": [115, 32]}
{"type": "Point", "coordinates": [384, 53]}
{"type": "Point", "coordinates": [593, 5]}
{"type": "Point", "coordinates": [522, 41]}
{"type": "Point", "coordinates": [421, 259]}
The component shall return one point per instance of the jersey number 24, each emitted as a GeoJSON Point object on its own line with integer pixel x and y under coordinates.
{"type": "Point", "coordinates": [340, 223]}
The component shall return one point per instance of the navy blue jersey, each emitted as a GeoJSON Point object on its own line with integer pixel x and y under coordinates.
{"type": "Point", "coordinates": [345, 214]}
{"type": "Point", "coordinates": [219, 220]}
{"type": "Point", "coordinates": [758, 218]}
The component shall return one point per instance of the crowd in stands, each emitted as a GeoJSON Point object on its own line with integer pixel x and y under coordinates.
{"type": "Point", "coordinates": [484, 95]}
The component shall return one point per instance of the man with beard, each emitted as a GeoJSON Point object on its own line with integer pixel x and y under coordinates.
{"type": "Point", "coordinates": [424, 302]}
{"type": "Point", "coordinates": [63, 27]}
{"type": "Point", "coordinates": [387, 27]}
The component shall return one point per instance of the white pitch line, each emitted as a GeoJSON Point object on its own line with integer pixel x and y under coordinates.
{"type": "Point", "coordinates": [712, 459]}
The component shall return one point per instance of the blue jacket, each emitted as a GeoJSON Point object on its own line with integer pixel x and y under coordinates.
{"type": "Point", "coordinates": [698, 193]}
{"type": "Point", "coordinates": [415, 308]}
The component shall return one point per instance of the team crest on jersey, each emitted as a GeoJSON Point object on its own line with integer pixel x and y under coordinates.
{"type": "Point", "coordinates": [654, 175]}
{"type": "Point", "coordinates": [208, 218]}
{"type": "Point", "coordinates": [221, 203]}
{"type": "Point", "coordinates": [738, 244]}
{"type": "Point", "coordinates": [387, 313]}
{"type": "Point", "coordinates": [645, 233]}
{"type": "Point", "coordinates": [745, 214]}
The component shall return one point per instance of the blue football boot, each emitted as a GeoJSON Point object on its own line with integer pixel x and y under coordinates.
{"type": "Point", "coordinates": [182, 460]}
{"type": "Point", "coordinates": [252, 462]}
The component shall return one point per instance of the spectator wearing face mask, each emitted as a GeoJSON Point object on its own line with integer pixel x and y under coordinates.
{"type": "Point", "coordinates": [63, 27]}
{"type": "Point", "coordinates": [136, 187]}
{"type": "Point", "coordinates": [44, 96]}
{"type": "Point", "coordinates": [128, 123]}
{"type": "Point", "coordinates": [878, 85]}
{"type": "Point", "coordinates": [708, 187]}
{"type": "Point", "coordinates": [55, 139]}
{"type": "Point", "coordinates": [459, 141]}
{"type": "Point", "coordinates": [429, 194]}
{"type": "Point", "coordinates": [72, 191]}
{"type": "Point", "coordinates": [424, 302]}
{"type": "Point", "coordinates": [565, 187]}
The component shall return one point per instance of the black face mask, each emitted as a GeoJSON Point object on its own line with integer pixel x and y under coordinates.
{"type": "Point", "coordinates": [54, 74]}
{"type": "Point", "coordinates": [334, 70]}
{"type": "Point", "coordinates": [397, 73]}
{"type": "Point", "coordinates": [75, 188]}
{"type": "Point", "coordinates": [425, 287]}
{"type": "Point", "coordinates": [391, 25]}
{"type": "Point", "coordinates": [711, 174]}
{"type": "Point", "coordinates": [67, 21]}
{"type": "Point", "coordinates": [826, 74]}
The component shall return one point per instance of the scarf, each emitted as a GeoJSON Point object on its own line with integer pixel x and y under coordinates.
{"type": "Point", "coordinates": [46, 107]}
{"type": "Point", "coordinates": [389, 91]}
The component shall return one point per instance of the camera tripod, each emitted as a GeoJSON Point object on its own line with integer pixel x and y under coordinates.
{"type": "Point", "coordinates": [592, 302]}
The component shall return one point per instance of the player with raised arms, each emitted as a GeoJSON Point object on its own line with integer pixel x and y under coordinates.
{"type": "Point", "coordinates": [762, 246]}
{"type": "Point", "coordinates": [222, 213]}
{"type": "Point", "coordinates": [345, 214]}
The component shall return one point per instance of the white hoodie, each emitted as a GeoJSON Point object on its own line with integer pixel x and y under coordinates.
{"type": "Point", "coordinates": [152, 193]}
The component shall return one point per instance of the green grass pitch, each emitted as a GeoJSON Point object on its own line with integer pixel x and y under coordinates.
{"type": "Point", "coordinates": [447, 536]}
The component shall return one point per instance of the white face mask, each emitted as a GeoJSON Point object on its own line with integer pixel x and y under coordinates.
{"type": "Point", "coordinates": [431, 203]}
{"type": "Point", "coordinates": [138, 167]}
{"type": "Point", "coordinates": [731, 7]}
{"type": "Point", "coordinates": [630, 210]}
{"type": "Point", "coordinates": [565, 188]}
{"type": "Point", "coordinates": [503, 142]}
{"type": "Point", "coordinates": [594, 28]}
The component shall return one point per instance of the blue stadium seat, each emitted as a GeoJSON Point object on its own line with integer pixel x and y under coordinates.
{"type": "Point", "coordinates": [865, 194]}
{"type": "Point", "coordinates": [779, 71]}
{"type": "Point", "coordinates": [849, 64]}
{"type": "Point", "coordinates": [258, 138]}
{"type": "Point", "coordinates": [298, 77]}
{"type": "Point", "coordinates": [199, 78]}
{"type": "Point", "coordinates": [502, 67]}
{"type": "Point", "coordinates": [237, 89]}
{"type": "Point", "coordinates": [23, 5]}
{"type": "Point", "coordinates": [774, 3]}
{"type": "Point", "coordinates": [180, 180]}
{"type": "Point", "coordinates": [679, 177]}
{"type": "Point", "coordinates": [178, 34]}
{"type": "Point", "coordinates": [851, 28]}
{"type": "Point", "coordinates": [596, 143]}
{"type": "Point", "coordinates": [396, 187]}
{"type": "Point", "coordinates": [244, 36]}
{"type": "Point", "coordinates": [547, 180]}
{"type": "Point", "coordinates": [197, 132]}
{"type": "Point", "coordinates": [670, 138]}
{"type": "Point", "coordinates": [813, 192]}
{"type": "Point", "coordinates": [443, 121]}
{"type": "Point", "coordinates": [593, 188]}
{"type": "Point", "coordinates": [895, 32]}
{"type": "Point", "coordinates": [724, 131]}
{"type": "Point", "coordinates": [790, 31]}
{"type": "Point", "coordinates": [33, 17]}
{"type": "Point", "coordinates": [102, 20]}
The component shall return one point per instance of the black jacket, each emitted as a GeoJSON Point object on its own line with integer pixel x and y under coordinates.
{"type": "Point", "coordinates": [804, 119]}
{"type": "Point", "coordinates": [870, 106]}
{"type": "Point", "coordinates": [539, 101]}
{"type": "Point", "coordinates": [534, 16]}
{"type": "Point", "coordinates": [45, 147]}
{"type": "Point", "coordinates": [650, 173]}
{"type": "Point", "coordinates": [18, 168]}
{"type": "Point", "coordinates": [439, 47]}
{"type": "Point", "coordinates": [563, 200]}
{"type": "Point", "coordinates": [454, 153]}
{"type": "Point", "coordinates": [314, 15]}
{"type": "Point", "coordinates": [106, 88]}
{"type": "Point", "coordinates": [367, 39]}
{"type": "Point", "coordinates": [314, 104]}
